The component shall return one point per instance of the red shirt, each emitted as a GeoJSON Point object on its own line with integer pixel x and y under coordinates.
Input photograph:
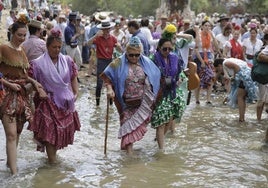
{"type": "Point", "coordinates": [105, 46]}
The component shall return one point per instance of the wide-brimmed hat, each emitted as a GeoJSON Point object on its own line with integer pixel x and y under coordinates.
{"type": "Point", "coordinates": [78, 17]}
{"type": "Point", "coordinates": [30, 9]}
{"type": "Point", "coordinates": [36, 24]}
{"type": "Point", "coordinates": [223, 17]}
{"type": "Point", "coordinates": [163, 16]}
{"type": "Point", "coordinates": [106, 24]}
{"type": "Point", "coordinates": [100, 16]}
{"type": "Point", "coordinates": [186, 21]}
{"type": "Point", "coordinates": [72, 15]}
{"type": "Point", "coordinates": [62, 16]}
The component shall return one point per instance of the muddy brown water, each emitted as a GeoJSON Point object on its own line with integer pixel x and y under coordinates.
{"type": "Point", "coordinates": [209, 149]}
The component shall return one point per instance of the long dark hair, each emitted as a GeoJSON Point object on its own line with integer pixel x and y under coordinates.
{"type": "Point", "coordinates": [161, 42]}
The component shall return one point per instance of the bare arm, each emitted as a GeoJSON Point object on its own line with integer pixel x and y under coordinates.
{"type": "Point", "coordinates": [90, 41]}
{"type": "Point", "coordinates": [13, 86]}
{"type": "Point", "coordinates": [118, 47]}
{"type": "Point", "coordinates": [196, 50]}
{"type": "Point", "coordinates": [185, 36]}
{"type": "Point", "coordinates": [110, 91]}
{"type": "Point", "coordinates": [74, 85]}
{"type": "Point", "coordinates": [38, 87]}
{"type": "Point", "coordinates": [216, 44]}
{"type": "Point", "coordinates": [226, 49]}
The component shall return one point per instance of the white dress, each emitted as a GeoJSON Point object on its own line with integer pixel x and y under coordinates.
{"type": "Point", "coordinates": [252, 49]}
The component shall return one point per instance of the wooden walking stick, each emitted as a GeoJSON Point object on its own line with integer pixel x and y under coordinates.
{"type": "Point", "coordinates": [106, 125]}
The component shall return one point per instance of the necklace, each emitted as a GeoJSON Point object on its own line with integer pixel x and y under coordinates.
{"type": "Point", "coordinates": [18, 58]}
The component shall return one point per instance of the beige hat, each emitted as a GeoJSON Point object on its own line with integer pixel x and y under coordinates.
{"type": "Point", "coordinates": [163, 16]}
{"type": "Point", "coordinates": [186, 21]}
{"type": "Point", "coordinates": [62, 16]}
{"type": "Point", "coordinates": [36, 24]}
{"type": "Point", "coordinates": [100, 16]}
{"type": "Point", "coordinates": [106, 24]}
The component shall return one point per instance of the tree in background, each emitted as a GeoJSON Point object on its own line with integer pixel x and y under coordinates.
{"type": "Point", "coordinates": [122, 7]}
{"type": "Point", "coordinates": [148, 7]}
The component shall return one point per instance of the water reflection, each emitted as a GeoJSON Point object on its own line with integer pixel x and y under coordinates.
{"type": "Point", "coordinates": [209, 149]}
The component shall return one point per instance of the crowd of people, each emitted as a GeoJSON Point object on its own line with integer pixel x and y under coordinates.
{"type": "Point", "coordinates": [143, 63]}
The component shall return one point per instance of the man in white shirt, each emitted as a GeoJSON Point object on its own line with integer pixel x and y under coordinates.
{"type": "Point", "coordinates": [62, 25]}
{"type": "Point", "coordinates": [146, 31]}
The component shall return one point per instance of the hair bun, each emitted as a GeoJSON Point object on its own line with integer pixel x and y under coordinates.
{"type": "Point", "coordinates": [55, 33]}
{"type": "Point", "coordinates": [236, 27]}
{"type": "Point", "coordinates": [23, 18]}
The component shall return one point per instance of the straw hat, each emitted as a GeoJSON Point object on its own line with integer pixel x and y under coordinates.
{"type": "Point", "coordinates": [62, 16]}
{"type": "Point", "coordinates": [163, 16]}
{"type": "Point", "coordinates": [106, 24]}
{"type": "Point", "coordinates": [223, 17]}
{"type": "Point", "coordinates": [100, 16]}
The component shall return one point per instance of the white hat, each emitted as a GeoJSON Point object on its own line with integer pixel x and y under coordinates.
{"type": "Point", "coordinates": [105, 24]}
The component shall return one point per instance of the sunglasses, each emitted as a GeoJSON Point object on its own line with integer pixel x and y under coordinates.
{"type": "Point", "coordinates": [167, 49]}
{"type": "Point", "coordinates": [134, 55]}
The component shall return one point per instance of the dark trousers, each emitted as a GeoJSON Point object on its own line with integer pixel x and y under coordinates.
{"type": "Point", "coordinates": [8, 35]}
{"type": "Point", "coordinates": [85, 54]}
{"type": "Point", "coordinates": [101, 65]}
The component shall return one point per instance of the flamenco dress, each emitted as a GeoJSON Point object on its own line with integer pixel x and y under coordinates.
{"type": "Point", "coordinates": [173, 103]}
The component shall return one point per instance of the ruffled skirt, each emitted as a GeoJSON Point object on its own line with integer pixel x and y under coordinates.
{"type": "Point", "coordinates": [134, 121]}
{"type": "Point", "coordinates": [206, 74]}
{"type": "Point", "coordinates": [244, 76]}
{"type": "Point", "coordinates": [16, 105]}
{"type": "Point", "coordinates": [168, 107]}
{"type": "Point", "coordinates": [53, 125]}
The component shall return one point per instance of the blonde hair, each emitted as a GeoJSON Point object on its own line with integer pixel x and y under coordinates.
{"type": "Point", "coordinates": [131, 47]}
{"type": "Point", "coordinates": [49, 25]}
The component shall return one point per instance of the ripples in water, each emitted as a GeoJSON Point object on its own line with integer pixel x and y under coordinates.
{"type": "Point", "coordinates": [209, 149]}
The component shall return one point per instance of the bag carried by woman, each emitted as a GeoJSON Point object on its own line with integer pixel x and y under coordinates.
{"type": "Point", "coordinates": [259, 71]}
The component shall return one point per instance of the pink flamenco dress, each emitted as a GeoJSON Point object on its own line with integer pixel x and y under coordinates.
{"type": "Point", "coordinates": [2, 91]}
{"type": "Point", "coordinates": [55, 119]}
{"type": "Point", "coordinates": [136, 89]}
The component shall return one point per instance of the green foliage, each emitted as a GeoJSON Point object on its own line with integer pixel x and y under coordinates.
{"type": "Point", "coordinates": [200, 5]}
{"type": "Point", "coordinates": [123, 7]}
{"type": "Point", "coordinates": [148, 7]}
{"type": "Point", "coordinates": [257, 6]}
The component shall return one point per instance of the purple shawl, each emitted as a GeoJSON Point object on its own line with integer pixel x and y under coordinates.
{"type": "Point", "coordinates": [173, 68]}
{"type": "Point", "coordinates": [56, 79]}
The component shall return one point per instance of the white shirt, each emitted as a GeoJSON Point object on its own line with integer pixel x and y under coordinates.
{"type": "Point", "coordinates": [223, 39]}
{"type": "Point", "coordinates": [118, 37]}
{"type": "Point", "coordinates": [230, 72]}
{"type": "Point", "coordinates": [251, 49]}
{"type": "Point", "coordinates": [9, 22]}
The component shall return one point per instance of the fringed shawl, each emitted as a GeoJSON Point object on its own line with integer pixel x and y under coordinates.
{"type": "Point", "coordinates": [13, 57]}
{"type": "Point", "coordinates": [56, 79]}
{"type": "Point", "coordinates": [117, 73]}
